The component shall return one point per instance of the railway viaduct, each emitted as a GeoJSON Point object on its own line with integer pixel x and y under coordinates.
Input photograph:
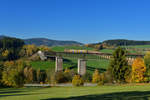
{"type": "Point", "coordinates": [82, 58]}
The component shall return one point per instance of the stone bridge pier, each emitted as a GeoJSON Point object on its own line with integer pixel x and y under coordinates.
{"type": "Point", "coordinates": [81, 66]}
{"type": "Point", "coordinates": [59, 64]}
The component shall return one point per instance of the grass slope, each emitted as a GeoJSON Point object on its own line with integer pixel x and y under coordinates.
{"type": "Point", "coordinates": [62, 48]}
{"type": "Point", "coordinates": [138, 46]}
{"type": "Point", "coordinates": [78, 93]}
{"type": "Point", "coordinates": [107, 50]}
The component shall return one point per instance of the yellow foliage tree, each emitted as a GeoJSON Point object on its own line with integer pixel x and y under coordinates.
{"type": "Point", "coordinates": [5, 53]}
{"type": "Point", "coordinates": [138, 70]}
{"type": "Point", "coordinates": [28, 50]}
{"type": "Point", "coordinates": [9, 64]}
{"type": "Point", "coordinates": [96, 76]}
{"type": "Point", "coordinates": [45, 48]}
{"type": "Point", "coordinates": [77, 81]}
{"type": "Point", "coordinates": [67, 70]}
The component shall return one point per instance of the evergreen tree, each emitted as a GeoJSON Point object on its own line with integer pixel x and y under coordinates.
{"type": "Point", "coordinates": [119, 65]}
{"type": "Point", "coordinates": [147, 63]}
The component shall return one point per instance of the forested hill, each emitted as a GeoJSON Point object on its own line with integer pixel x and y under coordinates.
{"type": "Point", "coordinates": [121, 42]}
{"type": "Point", "coordinates": [49, 42]}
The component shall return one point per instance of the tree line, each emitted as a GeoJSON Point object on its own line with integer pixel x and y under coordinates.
{"type": "Point", "coordinates": [123, 42]}
{"type": "Point", "coordinates": [10, 48]}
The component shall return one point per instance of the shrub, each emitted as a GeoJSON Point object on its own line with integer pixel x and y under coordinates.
{"type": "Point", "coordinates": [68, 74]}
{"type": "Point", "coordinates": [77, 81]}
{"type": "Point", "coordinates": [108, 76]}
{"type": "Point", "coordinates": [63, 77]}
{"type": "Point", "coordinates": [87, 77]}
{"type": "Point", "coordinates": [60, 77]}
{"type": "Point", "coordinates": [100, 83]}
{"type": "Point", "coordinates": [29, 74]}
{"type": "Point", "coordinates": [49, 74]}
{"type": "Point", "coordinates": [41, 76]}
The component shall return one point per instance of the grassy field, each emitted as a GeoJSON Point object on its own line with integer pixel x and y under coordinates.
{"type": "Point", "coordinates": [61, 48]}
{"type": "Point", "coordinates": [78, 93]}
{"type": "Point", "coordinates": [107, 50]}
{"type": "Point", "coordinates": [138, 46]}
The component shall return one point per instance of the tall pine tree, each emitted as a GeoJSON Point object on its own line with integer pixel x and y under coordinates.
{"type": "Point", "coordinates": [119, 65]}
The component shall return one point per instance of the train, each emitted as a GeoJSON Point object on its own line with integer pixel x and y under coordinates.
{"type": "Point", "coordinates": [80, 51]}
{"type": "Point", "coordinates": [75, 51]}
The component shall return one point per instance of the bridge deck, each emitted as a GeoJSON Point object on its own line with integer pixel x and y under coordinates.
{"type": "Point", "coordinates": [92, 56]}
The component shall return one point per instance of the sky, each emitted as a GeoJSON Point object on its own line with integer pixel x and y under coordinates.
{"type": "Point", "coordinates": [86, 21]}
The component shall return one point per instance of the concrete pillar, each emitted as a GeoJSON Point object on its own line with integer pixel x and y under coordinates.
{"type": "Point", "coordinates": [59, 64]}
{"type": "Point", "coordinates": [81, 66]}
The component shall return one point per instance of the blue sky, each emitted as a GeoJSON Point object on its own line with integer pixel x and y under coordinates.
{"type": "Point", "coordinates": [87, 21]}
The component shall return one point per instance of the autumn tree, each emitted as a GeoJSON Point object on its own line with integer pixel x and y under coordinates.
{"type": "Point", "coordinates": [77, 81]}
{"type": "Point", "coordinates": [28, 50]}
{"type": "Point", "coordinates": [45, 48]}
{"type": "Point", "coordinates": [41, 76]}
{"type": "Point", "coordinates": [138, 70]}
{"type": "Point", "coordinates": [29, 74]}
{"type": "Point", "coordinates": [98, 46]}
{"type": "Point", "coordinates": [38, 75]}
{"type": "Point", "coordinates": [12, 74]}
{"type": "Point", "coordinates": [5, 54]}
{"type": "Point", "coordinates": [96, 76]}
{"type": "Point", "coordinates": [119, 65]}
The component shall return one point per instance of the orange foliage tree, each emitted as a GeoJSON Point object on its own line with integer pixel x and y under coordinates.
{"type": "Point", "coordinates": [138, 70]}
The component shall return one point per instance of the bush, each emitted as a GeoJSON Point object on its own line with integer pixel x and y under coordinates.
{"type": "Point", "coordinates": [87, 77]}
{"type": "Point", "coordinates": [100, 83]}
{"type": "Point", "coordinates": [30, 75]}
{"type": "Point", "coordinates": [68, 74]}
{"type": "Point", "coordinates": [108, 76]}
{"type": "Point", "coordinates": [60, 77]}
{"type": "Point", "coordinates": [41, 76]}
{"type": "Point", "coordinates": [77, 81]}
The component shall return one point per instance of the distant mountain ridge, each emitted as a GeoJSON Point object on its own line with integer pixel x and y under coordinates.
{"type": "Point", "coordinates": [47, 42]}
{"type": "Point", "coordinates": [2, 36]}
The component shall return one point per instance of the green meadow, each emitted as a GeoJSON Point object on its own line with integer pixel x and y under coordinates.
{"type": "Point", "coordinates": [62, 48]}
{"type": "Point", "coordinates": [138, 46]}
{"type": "Point", "coordinates": [123, 92]}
